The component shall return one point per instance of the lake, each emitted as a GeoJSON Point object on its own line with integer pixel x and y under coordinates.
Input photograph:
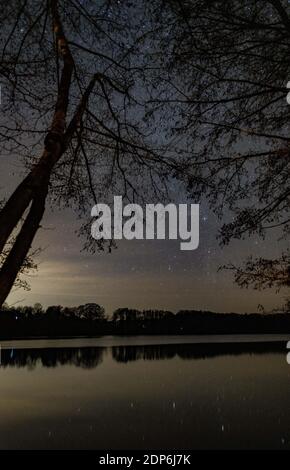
{"type": "Point", "coordinates": [145, 393]}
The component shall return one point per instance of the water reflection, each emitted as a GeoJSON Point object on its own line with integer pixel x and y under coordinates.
{"type": "Point", "coordinates": [191, 351]}
{"type": "Point", "coordinates": [87, 358]}
{"type": "Point", "coordinates": [91, 357]}
{"type": "Point", "coordinates": [160, 396]}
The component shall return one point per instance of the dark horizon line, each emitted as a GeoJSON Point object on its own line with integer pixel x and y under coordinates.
{"type": "Point", "coordinates": [66, 309]}
{"type": "Point", "coordinates": [90, 320]}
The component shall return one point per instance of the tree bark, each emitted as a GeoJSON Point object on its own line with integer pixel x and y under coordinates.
{"type": "Point", "coordinates": [18, 202]}
{"type": "Point", "coordinates": [18, 253]}
{"type": "Point", "coordinates": [34, 188]}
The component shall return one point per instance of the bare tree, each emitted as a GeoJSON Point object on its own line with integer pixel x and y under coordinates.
{"type": "Point", "coordinates": [224, 85]}
{"type": "Point", "coordinates": [78, 77]}
{"type": "Point", "coordinates": [69, 73]}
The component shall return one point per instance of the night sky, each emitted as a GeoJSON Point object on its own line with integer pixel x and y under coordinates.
{"type": "Point", "coordinates": [140, 274]}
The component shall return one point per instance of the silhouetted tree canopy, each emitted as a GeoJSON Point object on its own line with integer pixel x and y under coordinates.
{"type": "Point", "coordinates": [221, 97]}
{"type": "Point", "coordinates": [119, 97]}
{"type": "Point", "coordinates": [72, 110]}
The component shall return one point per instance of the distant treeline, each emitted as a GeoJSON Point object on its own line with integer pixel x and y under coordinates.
{"type": "Point", "coordinates": [91, 320]}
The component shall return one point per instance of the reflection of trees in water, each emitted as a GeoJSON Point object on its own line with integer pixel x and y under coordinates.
{"type": "Point", "coordinates": [87, 358]}
{"type": "Point", "coordinates": [192, 351]}
{"type": "Point", "coordinates": [148, 353]}
{"type": "Point", "coordinates": [91, 357]}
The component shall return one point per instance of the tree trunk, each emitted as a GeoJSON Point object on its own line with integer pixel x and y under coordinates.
{"type": "Point", "coordinates": [33, 189]}
{"type": "Point", "coordinates": [18, 202]}
{"type": "Point", "coordinates": [20, 249]}
{"type": "Point", "coordinates": [14, 209]}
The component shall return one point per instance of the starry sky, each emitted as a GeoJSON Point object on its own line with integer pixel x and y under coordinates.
{"type": "Point", "coordinates": [139, 273]}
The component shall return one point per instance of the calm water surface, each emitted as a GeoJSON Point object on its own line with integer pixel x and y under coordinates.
{"type": "Point", "coordinates": [145, 393]}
